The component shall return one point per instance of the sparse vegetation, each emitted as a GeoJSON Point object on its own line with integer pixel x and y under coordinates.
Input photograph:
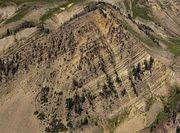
{"type": "Point", "coordinates": [41, 116]}
{"type": "Point", "coordinates": [116, 120]}
{"type": "Point", "coordinates": [58, 9]}
{"type": "Point", "coordinates": [44, 94]}
{"type": "Point", "coordinates": [24, 25]}
{"type": "Point", "coordinates": [3, 3]}
{"type": "Point", "coordinates": [78, 101]}
{"type": "Point", "coordinates": [123, 92]}
{"type": "Point", "coordinates": [84, 121]}
{"type": "Point", "coordinates": [126, 3]}
{"type": "Point", "coordinates": [133, 87]}
{"type": "Point", "coordinates": [18, 2]}
{"type": "Point", "coordinates": [178, 130]}
{"type": "Point", "coordinates": [170, 108]}
{"type": "Point", "coordinates": [9, 67]}
{"type": "Point", "coordinates": [159, 118]}
{"type": "Point", "coordinates": [140, 10]}
{"type": "Point", "coordinates": [108, 89]}
{"type": "Point", "coordinates": [174, 45]}
{"type": "Point", "coordinates": [174, 98]}
{"type": "Point", "coordinates": [36, 112]}
{"type": "Point", "coordinates": [43, 30]}
{"type": "Point", "coordinates": [84, 66]}
{"type": "Point", "coordinates": [56, 126]}
{"type": "Point", "coordinates": [149, 102]}
{"type": "Point", "coordinates": [75, 103]}
{"type": "Point", "coordinates": [19, 15]}
{"type": "Point", "coordinates": [49, 14]}
{"type": "Point", "coordinates": [69, 103]}
{"type": "Point", "coordinates": [118, 79]}
{"type": "Point", "coordinates": [90, 97]}
{"type": "Point", "coordinates": [144, 39]}
{"type": "Point", "coordinates": [137, 71]}
{"type": "Point", "coordinates": [77, 84]}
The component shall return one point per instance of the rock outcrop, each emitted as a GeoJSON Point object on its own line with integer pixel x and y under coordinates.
{"type": "Point", "coordinates": [85, 71]}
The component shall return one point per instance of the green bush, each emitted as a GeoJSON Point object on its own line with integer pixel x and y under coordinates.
{"type": "Point", "coordinates": [116, 120]}
{"type": "Point", "coordinates": [140, 10]}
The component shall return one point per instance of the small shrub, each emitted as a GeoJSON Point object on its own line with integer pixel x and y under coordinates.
{"type": "Point", "coordinates": [56, 126]}
{"type": "Point", "coordinates": [44, 94]}
{"type": "Point", "coordinates": [69, 103]}
{"type": "Point", "coordinates": [41, 116]}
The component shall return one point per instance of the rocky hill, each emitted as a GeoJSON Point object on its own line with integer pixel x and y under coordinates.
{"type": "Point", "coordinates": [102, 69]}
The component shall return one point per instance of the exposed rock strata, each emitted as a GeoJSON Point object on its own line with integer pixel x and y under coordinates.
{"type": "Point", "coordinates": [88, 69]}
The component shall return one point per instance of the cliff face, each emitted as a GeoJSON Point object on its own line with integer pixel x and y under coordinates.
{"type": "Point", "coordinates": [161, 16]}
{"type": "Point", "coordinates": [84, 72]}
{"type": "Point", "coordinates": [166, 14]}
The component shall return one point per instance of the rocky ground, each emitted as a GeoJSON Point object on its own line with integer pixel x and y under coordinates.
{"type": "Point", "coordinates": [85, 66]}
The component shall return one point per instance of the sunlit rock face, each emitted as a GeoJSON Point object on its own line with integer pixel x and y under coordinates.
{"type": "Point", "coordinates": [85, 71]}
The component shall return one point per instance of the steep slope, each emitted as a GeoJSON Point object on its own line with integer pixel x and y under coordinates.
{"type": "Point", "coordinates": [82, 74]}
{"type": "Point", "coordinates": [158, 24]}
